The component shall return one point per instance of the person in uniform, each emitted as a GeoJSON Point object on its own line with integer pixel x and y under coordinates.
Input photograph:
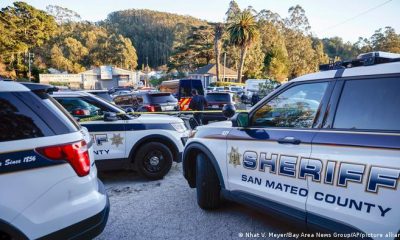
{"type": "Point", "coordinates": [197, 103]}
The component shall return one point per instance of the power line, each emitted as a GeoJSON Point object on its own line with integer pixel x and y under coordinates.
{"type": "Point", "coordinates": [360, 14]}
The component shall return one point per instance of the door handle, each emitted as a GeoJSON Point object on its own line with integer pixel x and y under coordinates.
{"type": "Point", "coordinates": [290, 140]}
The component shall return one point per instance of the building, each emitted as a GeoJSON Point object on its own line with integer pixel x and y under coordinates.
{"type": "Point", "coordinates": [208, 74]}
{"type": "Point", "coordinates": [103, 77]}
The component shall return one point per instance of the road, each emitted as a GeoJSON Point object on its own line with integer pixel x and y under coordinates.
{"type": "Point", "coordinates": [167, 209]}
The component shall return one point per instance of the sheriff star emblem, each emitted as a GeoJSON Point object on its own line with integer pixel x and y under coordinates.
{"type": "Point", "coordinates": [234, 156]}
{"type": "Point", "coordinates": [116, 140]}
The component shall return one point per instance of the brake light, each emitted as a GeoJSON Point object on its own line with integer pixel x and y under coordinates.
{"type": "Point", "coordinates": [150, 108]}
{"type": "Point", "coordinates": [76, 154]}
{"type": "Point", "coordinates": [81, 112]}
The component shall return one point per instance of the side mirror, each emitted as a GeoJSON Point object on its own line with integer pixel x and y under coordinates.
{"type": "Point", "coordinates": [228, 110]}
{"type": "Point", "coordinates": [241, 120]}
{"type": "Point", "coordinates": [129, 110]}
{"type": "Point", "coordinates": [110, 117]}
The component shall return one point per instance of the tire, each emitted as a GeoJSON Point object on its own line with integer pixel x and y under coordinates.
{"type": "Point", "coordinates": [207, 184]}
{"type": "Point", "coordinates": [153, 160]}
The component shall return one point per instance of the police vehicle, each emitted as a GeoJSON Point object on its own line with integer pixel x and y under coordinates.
{"type": "Point", "coordinates": [323, 149]}
{"type": "Point", "coordinates": [48, 181]}
{"type": "Point", "coordinates": [146, 143]}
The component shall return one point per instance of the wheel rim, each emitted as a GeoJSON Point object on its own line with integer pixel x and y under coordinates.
{"type": "Point", "coordinates": [154, 161]}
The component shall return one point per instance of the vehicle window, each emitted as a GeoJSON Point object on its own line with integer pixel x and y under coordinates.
{"type": "Point", "coordinates": [74, 105]}
{"type": "Point", "coordinates": [218, 98]}
{"type": "Point", "coordinates": [294, 108]}
{"type": "Point", "coordinates": [18, 121]}
{"type": "Point", "coordinates": [124, 100]}
{"type": "Point", "coordinates": [162, 98]}
{"type": "Point", "coordinates": [139, 100]}
{"type": "Point", "coordinates": [369, 105]}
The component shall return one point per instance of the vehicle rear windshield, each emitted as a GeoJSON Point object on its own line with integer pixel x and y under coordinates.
{"type": "Point", "coordinates": [186, 87]}
{"type": "Point", "coordinates": [218, 98]}
{"type": "Point", "coordinates": [162, 98]}
{"type": "Point", "coordinates": [27, 115]}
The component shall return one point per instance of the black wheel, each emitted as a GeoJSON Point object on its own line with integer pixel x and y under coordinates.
{"type": "Point", "coordinates": [153, 160]}
{"type": "Point", "coordinates": [4, 236]}
{"type": "Point", "coordinates": [207, 184]}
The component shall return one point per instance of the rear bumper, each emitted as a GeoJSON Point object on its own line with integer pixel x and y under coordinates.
{"type": "Point", "coordinates": [88, 228]}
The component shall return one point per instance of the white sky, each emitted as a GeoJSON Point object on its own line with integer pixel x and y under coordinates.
{"type": "Point", "coordinates": [324, 15]}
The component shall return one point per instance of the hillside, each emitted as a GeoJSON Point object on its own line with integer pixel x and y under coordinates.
{"type": "Point", "coordinates": [154, 34]}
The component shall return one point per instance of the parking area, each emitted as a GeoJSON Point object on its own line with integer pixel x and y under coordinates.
{"type": "Point", "coordinates": [167, 209]}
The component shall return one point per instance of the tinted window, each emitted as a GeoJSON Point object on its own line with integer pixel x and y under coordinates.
{"type": "Point", "coordinates": [18, 121]}
{"type": "Point", "coordinates": [161, 98]}
{"type": "Point", "coordinates": [49, 111]}
{"type": "Point", "coordinates": [296, 107]}
{"type": "Point", "coordinates": [125, 100]}
{"type": "Point", "coordinates": [218, 98]}
{"type": "Point", "coordinates": [370, 105]}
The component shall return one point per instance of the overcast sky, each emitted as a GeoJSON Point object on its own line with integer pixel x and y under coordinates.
{"type": "Point", "coordinates": [348, 19]}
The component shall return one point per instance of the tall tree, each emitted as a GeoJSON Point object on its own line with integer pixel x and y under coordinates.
{"type": "Point", "coordinates": [25, 28]}
{"type": "Point", "coordinates": [62, 15]}
{"type": "Point", "coordinates": [386, 40]}
{"type": "Point", "coordinates": [218, 31]}
{"type": "Point", "coordinates": [233, 11]}
{"type": "Point", "coordinates": [198, 50]}
{"type": "Point", "coordinates": [243, 32]}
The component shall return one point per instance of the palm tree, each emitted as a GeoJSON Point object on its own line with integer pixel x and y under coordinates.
{"type": "Point", "coordinates": [243, 31]}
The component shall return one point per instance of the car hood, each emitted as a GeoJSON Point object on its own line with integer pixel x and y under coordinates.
{"type": "Point", "coordinates": [220, 124]}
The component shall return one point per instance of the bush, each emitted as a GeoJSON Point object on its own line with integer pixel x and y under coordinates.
{"type": "Point", "coordinates": [225, 84]}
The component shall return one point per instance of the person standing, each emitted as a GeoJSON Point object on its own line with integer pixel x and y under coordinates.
{"type": "Point", "coordinates": [197, 103]}
{"type": "Point", "coordinates": [254, 98]}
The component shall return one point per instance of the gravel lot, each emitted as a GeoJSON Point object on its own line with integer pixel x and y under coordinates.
{"type": "Point", "coordinates": [167, 209]}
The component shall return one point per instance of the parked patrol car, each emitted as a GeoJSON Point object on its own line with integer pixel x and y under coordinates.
{"type": "Point", "coordinates": [48, 181]}
{"type": "Point", "coordinates": [323, 149]}
{"type": "Point", "coordinates": [146, 143]}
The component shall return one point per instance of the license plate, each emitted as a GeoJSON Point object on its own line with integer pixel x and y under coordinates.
{"type": "Point", "coordinates": [167, 108]}
{"type": "Point", "coordinates": [214, 106]}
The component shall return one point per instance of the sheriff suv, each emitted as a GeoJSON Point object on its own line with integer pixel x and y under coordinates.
{"type": "Point", "coordinates": [145, 143]}
{"type": "Point", "coordinates": [323, 149]}
{"type": "Point", "coordinates": [48, 181]}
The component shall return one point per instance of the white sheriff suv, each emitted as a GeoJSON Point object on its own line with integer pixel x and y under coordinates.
{"type": "Point", "coordinates": [147, 143]}
{"type": "Point", "coordinates": [323, 149]}
{"type": "Point", "coordinates": [48, 180]}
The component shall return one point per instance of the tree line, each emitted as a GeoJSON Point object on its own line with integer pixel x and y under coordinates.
{"type": "Point", "coordinates": [257, 44]}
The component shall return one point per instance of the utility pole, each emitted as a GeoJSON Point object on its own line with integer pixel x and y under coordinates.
{"type": "Point", "coordinates": [29, 64]}
{"type": "Point", "coordinates": [223, 79]}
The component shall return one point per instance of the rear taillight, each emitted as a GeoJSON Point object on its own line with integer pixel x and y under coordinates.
{"type": "Point", "coordinates": [81, 112]}
{"type": "Point", "coordinates": [75, 154]}
{"type": "Point", "coordinates": [150, 108]}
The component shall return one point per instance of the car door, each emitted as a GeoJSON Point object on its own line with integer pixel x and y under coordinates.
{"type": "Point", "coordinates": [263, 158]}
{"type": "Point", "coordinates": [109, 137]}
{"type": "Point", "coordinates": [359, 149]}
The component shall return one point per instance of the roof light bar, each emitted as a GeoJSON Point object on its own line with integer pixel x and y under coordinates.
{"type": "Point", "coordinates": [365, 59]}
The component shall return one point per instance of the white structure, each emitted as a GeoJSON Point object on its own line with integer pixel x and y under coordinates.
{"type": "Point", "coordinates": [103, 77]}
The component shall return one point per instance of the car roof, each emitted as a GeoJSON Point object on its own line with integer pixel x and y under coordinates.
{"type": "Point", "coordinates": [71, 94]}
{"type": "Point", "coordinates": [96, 91]}
{"type": "Point", "coordinates": [386, 68]}
{"type": "Point", "coordinates": [8, 86]}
